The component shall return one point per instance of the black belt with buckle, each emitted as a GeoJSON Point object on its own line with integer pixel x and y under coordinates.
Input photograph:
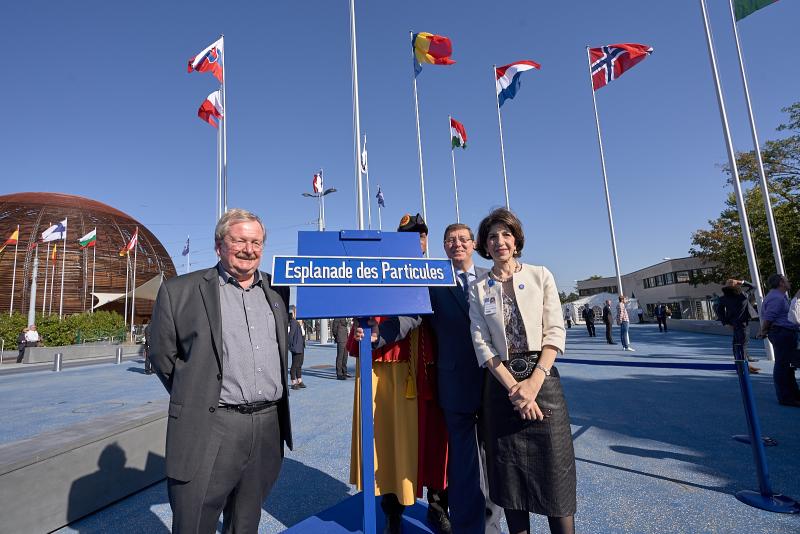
{"type": "Point", "coordinates": [521, 365]}
{"type": "Point", "coordinates": [249, 408]}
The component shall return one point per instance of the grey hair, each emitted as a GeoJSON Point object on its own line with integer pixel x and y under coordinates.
{"type": "Point", "coordinates": [234, 216]}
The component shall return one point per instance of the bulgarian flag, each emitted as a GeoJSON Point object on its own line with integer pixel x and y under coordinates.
{"type": "Point", "coordinates": [458, 133]}
{"type": "Point", "coordinates": [742, 8]}
{"type": "Point", "coordinates": [132, 243]}
{"type": "Point", "coordinates": [11, 240]}
{"type": "Point", "coordinates": [89, 240]}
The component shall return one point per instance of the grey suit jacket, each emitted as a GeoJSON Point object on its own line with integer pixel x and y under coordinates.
{"type": "Point", "coordinates": [459, 376]}
{"type": "Point", "coordinates": [186, 351]}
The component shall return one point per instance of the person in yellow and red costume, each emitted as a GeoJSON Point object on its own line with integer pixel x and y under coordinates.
{"type": "Point", "coordinates": [410, 432]}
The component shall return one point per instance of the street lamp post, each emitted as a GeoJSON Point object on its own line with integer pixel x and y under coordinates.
{"type": "Point", "coordinates": [323, 323]}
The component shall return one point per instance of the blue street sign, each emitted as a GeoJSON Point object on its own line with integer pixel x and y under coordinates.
{"type": "Point", "coordinates": [360, 271]}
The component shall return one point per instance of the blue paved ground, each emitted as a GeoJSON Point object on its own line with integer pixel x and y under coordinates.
{"type": "Point", "coordinates": [653, 442]}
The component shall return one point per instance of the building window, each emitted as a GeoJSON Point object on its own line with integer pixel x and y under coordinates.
{"type": "Point", "coordinates": [669, 278]}
{"type": "Point", "coordinates": [682, 277]}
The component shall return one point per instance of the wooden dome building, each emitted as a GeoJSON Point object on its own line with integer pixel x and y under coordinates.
{"type": "Point", "coordinates": [34, 213]}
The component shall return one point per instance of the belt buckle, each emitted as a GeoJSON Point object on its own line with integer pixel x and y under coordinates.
{"type": "Point", "coordinates": [521, 367]}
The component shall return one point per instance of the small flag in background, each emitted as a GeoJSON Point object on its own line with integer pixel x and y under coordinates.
{"type": "Point", "coordinates": [609, 62]}
{"type": "Point", "coordinates": [89, 240]}
{"type": "Point", "coordinates": [53, 255]}
{"type": "Point", "coordinates": [364, 167]}
{"type": "Point", "coordinates": [132, 243]}
{"type": "Point", "coordinates": [507, 78]}
{"type": "Point", "coordinates": [211, 108]}
{"type": "Point", "coordinates": [379, 196]}
{"type": "Point", "coordinates": [316, 183]}
{"type": "Point", "coordinates": [56, 232]}
{"type": "Point", "coordinates": [11, 240]}
{"type": "Point", "coordinates": [186, 248]}
{"type": "Point", "coordinates": [431, 49]}
{"type": "Point", "coordinates": [209, 60]}
{"type": "Point", "coordinates": [742, 8]}
{"type": "Point", "coordinates": [458, 133]}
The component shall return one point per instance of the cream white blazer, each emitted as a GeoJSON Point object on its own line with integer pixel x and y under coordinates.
{"type": "Point", "coordinates": [538, 303]}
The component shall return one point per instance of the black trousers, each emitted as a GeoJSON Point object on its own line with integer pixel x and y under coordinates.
{"type": "Point", "coordinates": [295, 371]}
{"type": "Point", "coordinates": [784, 341]}
{"type": "Point", "coordinates": [590, 328]}
{"type": "Point", "coordinates": [609, 339]}
{"type": "Point", "coordinates": [341, 359]}
{"type": "Point", "coordinates": [467, 502]}
{"type": "Point", "coordinates": [662, 321]}
{"type": "Point", "coordinates": [241, 465]}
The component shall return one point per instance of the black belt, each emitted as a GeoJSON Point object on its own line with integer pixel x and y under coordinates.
{"type": "Point", "coordinates": [521, 365]}
{"type": "Point", "coordinates": [249, 408]}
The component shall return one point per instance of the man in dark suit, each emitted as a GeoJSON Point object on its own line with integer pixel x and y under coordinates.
{"type": "Point", "coordinates": [340, 333]}
{"type": "Point", "coordinates": [229, 404]}
{"type": "Point", "coordinates": [608, 320]}
{"type": "Point", "coordinates": [460, 381]}
{"type": "Point", "coordinates": [588, 317]}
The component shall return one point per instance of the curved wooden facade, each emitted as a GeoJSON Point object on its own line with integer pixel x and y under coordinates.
{"type": "Point", "coordinates": [34, 213]}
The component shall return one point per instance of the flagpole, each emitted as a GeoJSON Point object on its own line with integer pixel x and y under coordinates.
{"type": "Point", "coordinates": [502, 147]}
{"type": "Point", "coordinates": [773, 232]}
{"type": "Point", "coordinates": [224, 127]}
{"type": "Point", "coordinates": [46, 262]}
{"type": "Point", "coordinates": [133, 295]}
{"type": "Point", "coordinates": [94, 264]}
{"type": "Point", "coordinates": [63, 265]}
{"type": "Point", "coordinates": [419, 138]}
{"type": "Point", "coordinates": [380, 222]}
{"type": "Point", "coordinates": [52, 280]}
{"type": "Point", "coordinates": [453, 157]}
{"type": "Point", "coordinates": [14, 274]}
{"type": "Point", "coordinates": [356, 116]}
{"type": "Point", "coordinates": [127, 273]}
{"type": "Point", "coordinates": [605, 178]}
{"type": "Point", "coordinates": [218, 207]}
{"type": "Point", "coordinates": [188, 253]}
{"type": "Point", "coordinates": [365, 169]}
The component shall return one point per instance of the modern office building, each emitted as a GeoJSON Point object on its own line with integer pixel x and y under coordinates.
{"type": "Point", "coordinates": [670, 282]}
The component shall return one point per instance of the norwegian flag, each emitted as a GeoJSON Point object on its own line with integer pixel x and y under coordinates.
{"type": "Point", "coordinates": [609, 62]}
{"type": "Point", "coordinates": [316, 183]}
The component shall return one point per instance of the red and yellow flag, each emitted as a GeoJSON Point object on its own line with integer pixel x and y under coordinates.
{"type": "Point", "coordinates": [53, 255]}
{"type": "Point", "coordinates": [431, 49]}
{"type": "Point", "coordinates": [11, 240]}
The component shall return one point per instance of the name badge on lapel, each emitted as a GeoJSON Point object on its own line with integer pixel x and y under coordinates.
{"type": "Point", "coordinates": [490, 305]}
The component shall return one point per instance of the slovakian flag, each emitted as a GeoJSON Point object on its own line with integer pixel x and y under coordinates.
{"type": "Point", "coordinates": [609, 62]}
{"type": "Point", "coordinates": [56, 232]}
{"type": "Point", "coordinates": [507, 78]}
{"type": "Point", "coordinates": [209, 60]}
{"type": "Point", "coordinates": [458, 134]}
{"type": "Point", "coordinates": [379, 196]}
{"type": "Point", "coordinates": [316, 182]}
{"type": "Point", "coordinates": [431, 49]}
{"type": "Point", "coordinates": [13, 240]}
{"type": "Point", "coordinates": [742, 8]}
{"type": "Point", "coordinates": [211, 109]}
{"type": "Point", "coordinates": [132, 243]}
{"type": "Point", "coordinates": [89, 240]}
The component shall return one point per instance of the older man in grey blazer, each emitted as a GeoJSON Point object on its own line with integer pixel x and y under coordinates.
{"type": "Point", "coordinates": [218, 344]}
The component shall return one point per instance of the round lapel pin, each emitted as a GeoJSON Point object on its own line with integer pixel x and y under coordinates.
{"type": "Point", "coordinates": [522, 286]}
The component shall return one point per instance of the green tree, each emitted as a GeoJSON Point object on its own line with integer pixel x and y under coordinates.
{"type": "Point", "coordinates": [722, 242]}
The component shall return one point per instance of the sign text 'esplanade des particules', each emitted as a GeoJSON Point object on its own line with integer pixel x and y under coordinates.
{"type": "Point", "coordinates": [304, 270]}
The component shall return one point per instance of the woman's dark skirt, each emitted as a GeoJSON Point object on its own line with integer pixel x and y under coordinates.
{"type": "Point", "coordinates": [530, 464]}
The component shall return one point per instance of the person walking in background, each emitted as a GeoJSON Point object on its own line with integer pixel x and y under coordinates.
{"type": "Point", "coordinates": [733, 311]}
{"type": "Point", "coordinates": [32, 338]}
{"type": "Point", "coordinates": [624, 322]}
{"type": "Point", "coordinates": [524, 418]}
{"type": "Point", "coordinates": [661, 316]}
{"type": "Point", "coordinates": [21, 340]}
{"type": "Point", "coordinates": [340, 333]}
{"type": "Point", "coordinates": [608, 321]}
{"type": "Point", "coordinates": [568, 319]}
{"type": "Point", "coordinates": [588, 318]}
{"type": "Point", "coordinates": [297, 346]}
{"type": "Point", "coordinates": [782, 333]}
{"type": "Point", "coordinates": [640, 313]}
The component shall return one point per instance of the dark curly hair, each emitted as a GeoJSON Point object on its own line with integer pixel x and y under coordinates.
{"type": "Point", "coordinates": [503, 217]}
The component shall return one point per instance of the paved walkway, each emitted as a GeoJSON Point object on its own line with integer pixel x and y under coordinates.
{"type": "Point", "coordinates": [652, 439]}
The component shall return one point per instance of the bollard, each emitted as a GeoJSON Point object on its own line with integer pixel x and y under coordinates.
{"type": "Point", "coordinates": [119, 355]}
{"type": "Point", "coordinates": [57, 362]}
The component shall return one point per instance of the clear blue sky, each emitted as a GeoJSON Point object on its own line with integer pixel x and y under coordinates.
{"type": "Point", "coordinates": [98, 103]}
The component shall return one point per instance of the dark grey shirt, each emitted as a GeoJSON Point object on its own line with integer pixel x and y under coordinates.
{"type": "Point", "coordinates": [250, 357]}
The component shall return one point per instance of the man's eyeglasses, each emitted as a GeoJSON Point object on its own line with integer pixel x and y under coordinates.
{"type": "Point", "coordinates": [450, 241]}
{"type": "Point", "coordinates": [241, 244]}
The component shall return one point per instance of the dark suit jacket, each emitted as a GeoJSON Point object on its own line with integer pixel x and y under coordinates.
{"type": "Point", "coordinates": [607, 315]}
{"type": "Point", "coordinates": [588, 314]}
{"type": "Point", "coordinates": [460, 379]}
{"type": "Point", "coordinates": [186, 351]}
{"type": "Point", "coordinates": [340, 330]}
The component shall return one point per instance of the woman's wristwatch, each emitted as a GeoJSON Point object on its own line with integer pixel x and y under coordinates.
{"type": "Point", "coordinates": [544, 369]}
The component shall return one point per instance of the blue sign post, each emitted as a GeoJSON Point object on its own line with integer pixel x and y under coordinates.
{"type": "Point", "coordinates": [362, 274]}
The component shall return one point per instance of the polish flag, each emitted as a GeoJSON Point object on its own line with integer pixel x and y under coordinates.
{"type": "Point", "coordinates": [211, 109]}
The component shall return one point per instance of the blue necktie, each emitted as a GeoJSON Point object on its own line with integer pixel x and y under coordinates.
{"type": "Point", "coordinates": [464, 286]}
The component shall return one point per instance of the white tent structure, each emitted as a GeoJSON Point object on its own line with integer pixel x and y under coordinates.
{"type": "Point", "coordinates": [575, 308]}
{"type": "Point", "coordinates": [147, 291]}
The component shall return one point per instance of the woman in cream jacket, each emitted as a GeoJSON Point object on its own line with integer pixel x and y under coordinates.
{"type": "Point", "coordinates": [517, 331]}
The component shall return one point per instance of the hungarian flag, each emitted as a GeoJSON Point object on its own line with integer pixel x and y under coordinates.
{"type": "Point", "coordinates": [55, 232]}
{"type": "Point", "coordinates": [11, 240]}
{"type": "Point", "coordinates": [89, 240]}
{"type": "Point", "coordinates": [316, 183]}
{"type": "Point", "coordinates": [132, 243]}
{"type": "Point", "coordinates": [507, 78]}
{"type": "Point", "coordinates": [209, 60]}
{"type": "Point", "coordinates": [458, 133]}
{"type": "Point", "coordinates": [609, 62]}
{"type": "Point", "coordinates": [211, 108]}
{"type": "Point", "coordinates": [431, 49]}
{"type": "Point", "coordinates": [742, 8]}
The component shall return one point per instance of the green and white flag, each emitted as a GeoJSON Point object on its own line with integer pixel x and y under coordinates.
{"type": "Point", "coordinates": [742, 8]}
{"type": "Point", "coordinates": [458, 133]}
{"type": "Point", "coordinates": [89, 240]}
